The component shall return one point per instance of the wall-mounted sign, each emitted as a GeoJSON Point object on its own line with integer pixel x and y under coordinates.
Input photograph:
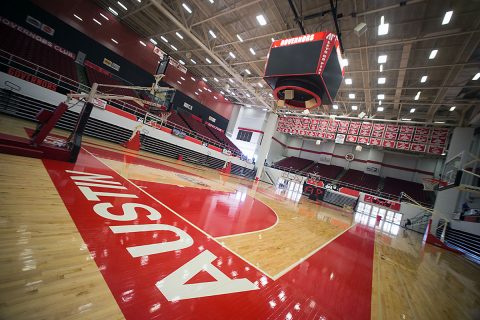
{"type": "Point", "coordinates": [349, 157]}
{"type": "Point", "coordinates": [340, 138]}
{"type": "Point", "coordinates": [187, 106]}
{"type": "Point", "coordinates": [158, 52]}
{"type": "Point", "coordinates": [39, 25]}
{"type": "Point", "coordinates": [212, 118]}
{"type": "Point", "coordinates": [111, 64]}
{"type": "Point", "coordinates": [382, 202]}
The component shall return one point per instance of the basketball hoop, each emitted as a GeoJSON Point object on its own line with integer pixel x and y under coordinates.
{"type": "Point", "coordinates": [430, 184]}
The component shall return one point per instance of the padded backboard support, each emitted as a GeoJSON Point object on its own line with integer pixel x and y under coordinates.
{"type": "Point", "coordinates": [305, 71]}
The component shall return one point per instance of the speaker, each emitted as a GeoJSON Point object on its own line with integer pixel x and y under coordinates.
{"type": "Point", "coordinates": [360, 29]}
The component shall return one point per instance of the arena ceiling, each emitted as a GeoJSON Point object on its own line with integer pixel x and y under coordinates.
{"type": "Point", "coordinates": [448, 94]}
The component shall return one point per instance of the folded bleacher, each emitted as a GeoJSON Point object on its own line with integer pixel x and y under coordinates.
{"type": "Point", "coordinates": [324, 170]}
{"type": "Point", "coordinates": [37, 53]}
{"type": "Point", "coordinates": [293, 163]}
{"type": "Point", "coordinates": [361, 179]}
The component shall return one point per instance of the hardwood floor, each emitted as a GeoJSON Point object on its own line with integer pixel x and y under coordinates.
{"type": "Point", "coordinates": [47, 272]}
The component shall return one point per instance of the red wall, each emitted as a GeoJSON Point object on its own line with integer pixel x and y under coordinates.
{"type": "Point", "coordinates": [129, 47]}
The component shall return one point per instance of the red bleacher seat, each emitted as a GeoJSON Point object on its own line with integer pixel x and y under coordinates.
{"type": "Point", "coordinates": [37, 53]}
{"type": "Point", "coordinates": [324, 170]}
{"type": "Point", "coordinates": [224, 139]}
{"type": "Point", "coordinates": [397, 186]}
{"type": "Point", "coordinates": [197, 126]}
{"type": "Point", "coordinates": [293, 163]}
{"type": "Point", "coordinates": [361, 179]}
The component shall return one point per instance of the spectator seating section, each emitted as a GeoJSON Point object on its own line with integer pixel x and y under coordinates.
{"type": "Point", "coordinates": [197, 126]}
{"type": "Point", "coordinates": [175, 119]}
{"type": "Point", "coordinates": [397, 186]}
{"type": "Point", "coordinates": [224, 139]}
{"type": "Point", "coordinates": [293, 163]}
{"type": "Point", "coordinates": [36, 52]}
{"type": "Point", "coordinates": [324, 170]}
{"type": "Point", "coordinates": [98, 77]}
{"type": "Point", "coordinates": [361, 179]}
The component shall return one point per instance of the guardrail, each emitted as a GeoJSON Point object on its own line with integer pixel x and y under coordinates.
{"type": "Point", "coordinates": [69, 86]}
{"type": "Point", "coordinates": [377, 193]}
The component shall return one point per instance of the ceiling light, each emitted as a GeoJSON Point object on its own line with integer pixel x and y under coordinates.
{"type": "Point", "coordinates": [179, 35]}
{"type": "Point", "coordinates": [204, 79]}
{"type": "Point", "coordinates": [222, 92]}
{"type": "Point", "coordinates": [351, 95]}
{"type": "Point", "coordinates": [232, 55]}
{"type": "Point", "coordinates": [452, 108]}
{"type": "Point", "coordinates": [406, 119]}
{"type": "Point", "coordinates": [252, 51]}
{"type": "Point", "coordinates": [475, 77]}
{"type": "Point", "coordinates": [184, 5]}
{"type": "Point", "coordinates": [153, 41]}
{"type": "Point", "coordinates": [345, 62]}
{"type": "Point", "coordinates": [143, 43]}
{"type": "Point", "coordinates": [433, 54]}
{"type": "Point", "coordinates": [381, 68]}
{"type": "Point", "coordinates": [193, 79]}
{"type": "Point", "coordinates": [98, 22]}
{"type": "Point", "coordinates": [174, 48]}
{"type": "Point", "coordinates": [260, 85]}
{"type": "Point", "coordinates": [182, 78]}
{"type": "Point", "coordinates": [179, 82]}
{"type": "Point", "coordinates": [439, 122]}
{"type": "Point", "coordinates": [270, 95]}
{"type": "Point", "coordinates": [233, 93]}
{"type": "Point", "coordinates": [261, 20]}
{"type": "Point", "coordinates": [381, 96]}
{"type": "Point", "coordinates": [216, 80]}
{"type": "Point", "coordinates": [248, 71]}
{"type": "Point", "coordinates": [239, 38]}
{"type": "Point", "coordinates": [231, 80]}
{"type": "Point", "coordinates": [380, 102]}
{"type": "Point", "coordinates": [211, 1]}
{"type": "Point", "coordinates": [412, 110]}
{"type": "Point", "coordinates": [382, 58]}
{"type": "Point", "coordinates": [383, 27]}
{"type": "Point", "coordinates": [335, 106]}
{"type": "Point", "coordinates": [418, 95]}
{"type": "Point", "coordinates": [193, 61]}
{"type": "Point", "coordinates": [424, 79]}
{"type": "Point", "coordinates": [212, 34]}
{"type": "Point", "coordinates": [122, 5]}
{"type": "Point", "coordinates": [115, 41]}
{"type": "Point", "coordinates": [196, 93]}
{"type": "Point", "coordinates": [354, 108]}
{"type": "Point", "coordinates": [113, 11]}
{"type": "Point", "coordinates": [208, 60]}
{"type": "Point", "coordinates": [164, 39]}
{"type": "Point", "coordinates": [273, 39]}
{"type": "Point", "coordinates": [248, 95]}
{"type": "Point", "coordinates": [348, 81]}
{"type": "Point", "coordinates": [264, 109]}
{"type": "Point", "coordinates": [200, 90]}
{"type": "Point", "coordinates": [215, 98]}
{"type": "Point", "coordinates": [181, 61]}
{"type": "Point", "coordinates": [447, 17]}
{"type": "Point", "coordinates": [382, 80]}
{"type": "Point", "coordinates": [380, 109]}
{"type": "Point", "coordinates": [78, 17]}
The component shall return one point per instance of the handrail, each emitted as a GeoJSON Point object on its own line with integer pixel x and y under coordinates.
{"type": "Point", "coordinates": [45, 73]}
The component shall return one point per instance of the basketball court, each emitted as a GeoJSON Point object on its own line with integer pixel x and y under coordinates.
{"type": "Point", "coordinates": [281, 191]}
